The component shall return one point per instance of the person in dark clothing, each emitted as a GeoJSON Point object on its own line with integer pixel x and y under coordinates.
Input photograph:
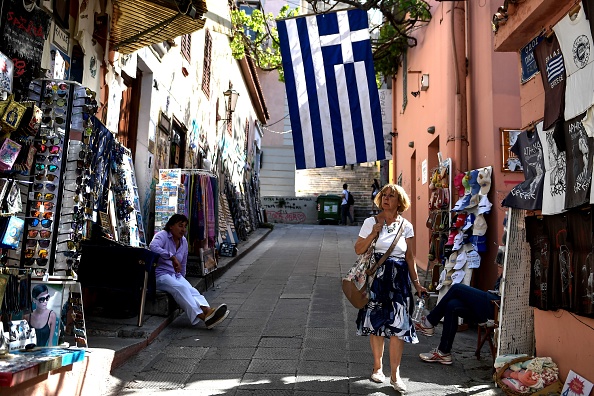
{"type": "Point", "coordinates": [375, 189]}
{"type": "Point", "coordinates": [345, 208]}
{"type": "Point", "coordinates": [460, 301]}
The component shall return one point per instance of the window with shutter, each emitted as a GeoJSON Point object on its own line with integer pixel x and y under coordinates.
{"type": "Point", "coordinates": [186, 45]}
{"type": "Point", "coordinates": [207, 61]}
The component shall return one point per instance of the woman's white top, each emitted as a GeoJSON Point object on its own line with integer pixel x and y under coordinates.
{"type": "Point", "coordinates": [387, 234]}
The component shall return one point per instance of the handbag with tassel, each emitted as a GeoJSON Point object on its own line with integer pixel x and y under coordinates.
{"type": "Point", "coordinates": [356, 283]}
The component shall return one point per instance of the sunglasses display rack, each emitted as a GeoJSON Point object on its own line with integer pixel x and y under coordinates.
{"type": "Point", "coordinates": [65, 106]}
{"type": "Point", "coordinates": [130, 229]}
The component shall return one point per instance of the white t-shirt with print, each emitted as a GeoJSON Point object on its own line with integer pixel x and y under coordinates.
{"type": "Point", "coordinates": [387, 234]}
{"type": "Point", "coordinates": [553, 195]}
{"type": "Point", "coordinates": [575, 39]}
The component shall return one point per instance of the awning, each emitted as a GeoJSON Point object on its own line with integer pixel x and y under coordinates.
{"type": "Point", "coordinates": [140, 23]}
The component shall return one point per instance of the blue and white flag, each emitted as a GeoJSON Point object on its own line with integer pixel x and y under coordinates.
{"type": "Point", "coordinates": [331, 90]}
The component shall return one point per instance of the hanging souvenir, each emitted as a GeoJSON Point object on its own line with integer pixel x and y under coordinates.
{"type": "Point", "coordinates": [9, 151]}
{"type": "Point", "coordinates": [13, 115]}
{"type": "Point", "coordinates": [11, 231]}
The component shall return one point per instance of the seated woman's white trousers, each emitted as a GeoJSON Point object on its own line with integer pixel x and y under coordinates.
{"type": "Point", "coordinates": [187, 297]}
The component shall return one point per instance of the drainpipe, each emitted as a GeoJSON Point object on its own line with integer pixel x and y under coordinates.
{"type": "Point", "coordinates": [458, 37]}
{"type": "Point", "coordinates": [394, 132]}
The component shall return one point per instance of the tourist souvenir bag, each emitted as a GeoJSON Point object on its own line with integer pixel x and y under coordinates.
{"type": "Point", "coordinates": [356, 283]}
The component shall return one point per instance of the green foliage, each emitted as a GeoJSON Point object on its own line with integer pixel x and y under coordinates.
{"type": "Point", "coordinates": [256, 35]}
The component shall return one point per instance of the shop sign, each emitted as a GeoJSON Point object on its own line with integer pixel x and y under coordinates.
{"type": "Point", "coordinates": [61, 39]}
{"type": "Point", "coordinates": [22, 36]}
{"type": "Point", "coordinates": [528, 61]}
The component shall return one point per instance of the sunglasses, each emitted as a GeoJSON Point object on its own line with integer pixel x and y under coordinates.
{"type": "Point", "coordinates": [42, 233]}
{"type": "Point", "coordinates": [29, 253]}
{"type": "Point", "coordinates": [43, 253]}
{"type": "Point", "coordinates": [39, 262]}
{"type": "Point", "coordinates": [41, 176]}
{"type": "Point", "coordinates": [44, 196]}
{"type": "Point", "coordinates": [41, 148]}
{"type": "Point", "coordinates": [43, 243]}
{"type": "Point", "coordinates": [72, 245]}
{"type": "Point", "coordinates": [49, 100]}
{"type": "Point", "coordinates": [46, 205]}
{"type": "Point", "coordinates": [45, 223]}
{"type": "Point", "coordinates": [40, 186]}
{"type": "Point", "coordinates": [45, 215]}
{"type": "Point", "coordinates": [50, 158]}
{"type": "Point", "coordinates": [52, 140]}
{"type": "Point", "coordinates": [70, 253]}
{"type": "Point", "coordinates": [43, 299]}
{"type": "Point", "coordinates": [39, 271]}
{"type": "Point", "coordinates": [57, 119]}
{"type": "Point", "coordinates": [50, 168]}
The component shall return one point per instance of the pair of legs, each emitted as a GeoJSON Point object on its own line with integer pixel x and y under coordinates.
{"type": "Point", "coordinates": [460, 301]}
{"type": "Point", "coordinates": [345, 211]}
{"type": "Point", "coordinates": [186, 296]}
{"type": "Point", "coordinates": [377, 348]}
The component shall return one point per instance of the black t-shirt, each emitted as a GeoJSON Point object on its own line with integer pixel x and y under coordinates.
{"type": "Point", "coordinates": [552, 71]}
{"type": "Point", "coordinates": [579, 162]}
{"type": "Point", "coordinates": [528, 194]}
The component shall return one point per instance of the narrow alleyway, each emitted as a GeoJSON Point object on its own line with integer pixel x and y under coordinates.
{"type": "Point", "coordinates": [290, 332]}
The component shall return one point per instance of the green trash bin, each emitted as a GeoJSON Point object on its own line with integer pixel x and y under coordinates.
{"type": "Point", "coordinates": [329, 208]}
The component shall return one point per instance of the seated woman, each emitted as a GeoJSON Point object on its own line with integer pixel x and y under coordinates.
{"type": "Point", "coordinates": [460, 301]}
{"type": "Point", "coordinates": [172, 247]}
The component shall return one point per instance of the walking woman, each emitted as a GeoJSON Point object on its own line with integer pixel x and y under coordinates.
{"type": "Point", "coordinates": [387, 315]}
{"type": "Point", "coordinates": [172, 247]}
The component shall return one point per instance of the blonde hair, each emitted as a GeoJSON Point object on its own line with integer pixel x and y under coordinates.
{"type": "Point", "coordinates": [403, 199]}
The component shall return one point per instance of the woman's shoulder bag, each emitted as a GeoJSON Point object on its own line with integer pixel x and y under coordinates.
{"type": "Point", "coordinates": [357, 281]}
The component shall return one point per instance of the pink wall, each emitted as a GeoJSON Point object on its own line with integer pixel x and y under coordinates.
{"type": "Point", "coordinates": [492, 102]}
{"type": "Point", "coordinates": [567, 338]}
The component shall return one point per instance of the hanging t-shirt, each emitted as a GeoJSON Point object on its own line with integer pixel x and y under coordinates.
{"type": "Point", "coordinates": [85, 22]}
{"type": "Point", "coordinates": [528, 194]}
{"type": "Point", "coordinates": [553, 192]}
{"type": "Point", "coordinates": [579, 229]}
{"type": "Point", "coordinates": [575, 40]}
{"type": "Point", "coordinates": [589, 11]}
{"type": "Point", "coordinates": [541, 270]}
{"type": "Point", "coordinates": [552, 71]}
{"type": "Point", "coordinates": [579, 162]}
{"type": "Point", "coordinates": [588, 123]}
{"type": "Point", "coordinates": [93, 55]}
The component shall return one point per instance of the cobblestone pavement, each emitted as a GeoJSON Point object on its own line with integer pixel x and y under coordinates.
{"type": "Point", "coordinates": [290, 332]}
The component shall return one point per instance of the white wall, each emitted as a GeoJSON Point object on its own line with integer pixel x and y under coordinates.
{"type": "Point", "coordinates": [164, 88]}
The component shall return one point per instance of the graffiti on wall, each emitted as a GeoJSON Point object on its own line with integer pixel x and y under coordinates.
{"type": "Point", "coordinates": [290, 210]}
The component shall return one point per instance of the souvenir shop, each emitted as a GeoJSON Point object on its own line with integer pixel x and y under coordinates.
{"type": "Point", "coordinates": [457, 227]}
{"type": "Point", "coordinates": [66, 186]}
{"type": "Point", "coordinates": [221, 214]}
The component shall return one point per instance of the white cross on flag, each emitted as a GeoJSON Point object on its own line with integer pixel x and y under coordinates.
{"type": "Point", "coordinates": [331, 90]}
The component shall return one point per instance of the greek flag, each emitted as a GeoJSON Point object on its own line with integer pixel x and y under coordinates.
{"type": "Point", "coordinates": [331, 90]}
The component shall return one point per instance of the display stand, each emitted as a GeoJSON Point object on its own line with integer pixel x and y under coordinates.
{"type": "Point", "coordinates": [124, 201]}
{"type": "Point", "coordinates": [439, 220]}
